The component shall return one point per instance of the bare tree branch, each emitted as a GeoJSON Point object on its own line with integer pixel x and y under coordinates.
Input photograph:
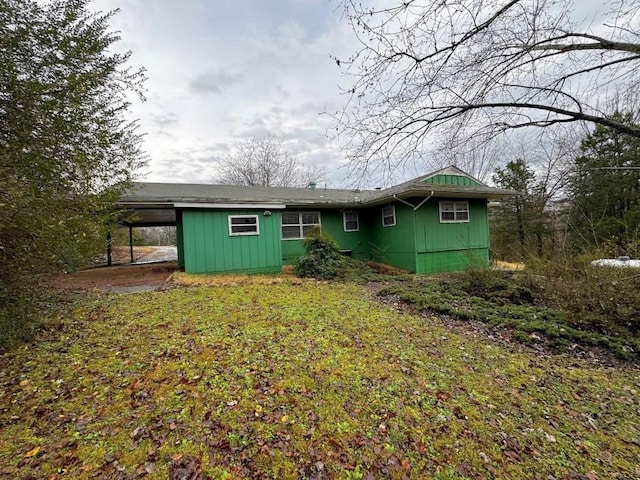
{"type": "Point", "coordinates": [265, 162]}
{"type": "Point", "coordinates": [489, 65]}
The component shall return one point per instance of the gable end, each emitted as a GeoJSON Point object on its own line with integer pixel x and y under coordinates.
{"type": "Point", "coordinates": [447, 179]}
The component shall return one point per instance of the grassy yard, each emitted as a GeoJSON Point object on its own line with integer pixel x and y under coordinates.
{"type": "Point", "coordinates": [291, 379]}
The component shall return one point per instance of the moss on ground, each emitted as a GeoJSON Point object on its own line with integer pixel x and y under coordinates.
{"type": "Point", "coordinates": [300, 380]}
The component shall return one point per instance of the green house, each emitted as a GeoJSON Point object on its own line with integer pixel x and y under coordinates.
{"type": "Point", "coordinates": [434, 223]}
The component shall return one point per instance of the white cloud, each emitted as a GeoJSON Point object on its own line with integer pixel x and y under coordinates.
{"type": "Point", "coordinates": [219, 74]}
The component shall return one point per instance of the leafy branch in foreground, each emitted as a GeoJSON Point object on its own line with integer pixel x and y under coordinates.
{"type": "Point", "coordinates": [66, 147]}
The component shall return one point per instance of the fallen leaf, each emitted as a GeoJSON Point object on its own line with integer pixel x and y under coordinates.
{"type": "Point", "coordinates": [32, 453]}
{"type": "Point", "coordinates": [110, 457]}
{"type": "Point", "coordinates": [442, 396]}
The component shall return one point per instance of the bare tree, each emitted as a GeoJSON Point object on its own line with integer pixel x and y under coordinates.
{"type": "Point", "coordinates": [265, 162]}
{"type": "Point", "coordinates": [478, 158]}
{"type": "Point", "coordinates": [480, 67]}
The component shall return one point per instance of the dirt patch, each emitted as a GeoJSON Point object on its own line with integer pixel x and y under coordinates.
{"type": "Point", "coordinates": [118, 278]}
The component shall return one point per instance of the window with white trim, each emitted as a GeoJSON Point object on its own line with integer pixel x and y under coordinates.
{"type": "Point", "coordinates": [296, 225]}
{"type": "Point", "coordinates": [243, 225]}
{"type": "Point", "coordinates": [454, 212]}
{"type": "Point", "coordinates": [351, 221]}
{"type": "Point", "coordinates": [389, 216]}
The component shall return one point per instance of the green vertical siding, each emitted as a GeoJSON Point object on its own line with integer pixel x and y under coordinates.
{"type": "Point", "coordinates": [444, 247]}
{"type": "Point", "coordinates": [451, 180]}
{"type": "Point", "coordinates": [451, 261]}
{"type": "Point", "coordinates": [393, 245]}
{"type": "Point", "coordinates": [418, 242]}
{"type": "Point", "coordinates": [208, 247]}
{"type": "Point", "coordinates": [332, 224]}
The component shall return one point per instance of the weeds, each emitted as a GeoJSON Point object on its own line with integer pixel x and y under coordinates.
{"type": "Point", "coordinates": [537, 307]}
{"type": "Point", "coordinates": [600, 299]}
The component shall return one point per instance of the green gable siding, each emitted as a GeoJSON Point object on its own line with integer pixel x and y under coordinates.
{"type": "Point", "coordinates": [209, 248]}
{"type": "Point", "coordinates": [445, 247]}
{"type": "Point", "coordinates": [393, 245]}
{"type": "Point", "coordinates": [451, 180]}
{"type": "Point", "coordinates": [332, 224]}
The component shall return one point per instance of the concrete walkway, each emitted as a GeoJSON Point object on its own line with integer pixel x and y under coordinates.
{"type": "Point", "coordinates": [160, 254]}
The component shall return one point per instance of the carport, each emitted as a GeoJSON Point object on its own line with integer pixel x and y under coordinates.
{"type": "Point", "coordinates": [142, 214]}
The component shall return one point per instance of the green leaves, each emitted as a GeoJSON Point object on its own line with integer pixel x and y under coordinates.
{"type": "Point", "coordinates": [66, 148]}
{"type": "Point", "coordinates": [322, 259]}
{"type": "Point", "coordinates": [605, 189]}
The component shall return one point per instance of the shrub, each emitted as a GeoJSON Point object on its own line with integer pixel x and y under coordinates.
{"type": "Point", "coordinates": [600, 299]}
{"type": "Point", "coordinates": [322, 258]}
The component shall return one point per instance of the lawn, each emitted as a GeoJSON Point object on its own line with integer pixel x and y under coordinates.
{"type": "Point", "coordinates": [300, 379]}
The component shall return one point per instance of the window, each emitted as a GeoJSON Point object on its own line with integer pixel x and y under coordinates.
{"type": "Point", "coordinates": [243, 225]}
{"type": "Point", "coordinates": [454, 212]}
{"type": "Point", "coordinates": [350, 221]}
{"type": "Point", "coordinates": [296, 225]}
{"type": "Point", "coordinates": [389, 216]}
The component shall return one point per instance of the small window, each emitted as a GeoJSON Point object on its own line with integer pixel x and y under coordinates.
{"type": "Point", "coordinates": [454, 212]}
{"type": "Point", "coordinates": [351, 221]}
{"type": "Point", "coordinates": [296, 225]}
{"type": "Point", "coordinates": [243, 225]}
{"type": "Point", "coordinates": [389, 216]}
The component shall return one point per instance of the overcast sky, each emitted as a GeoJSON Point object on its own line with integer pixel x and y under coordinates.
{"type": "Point", "coordinates": [222, 71]}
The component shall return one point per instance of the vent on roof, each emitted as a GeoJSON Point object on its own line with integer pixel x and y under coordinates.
{"type": "Point", "coordinates": [378, 188]}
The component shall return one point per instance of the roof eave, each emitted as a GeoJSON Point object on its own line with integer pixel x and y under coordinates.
{"type": "Point", "coordinates": [440, 192]}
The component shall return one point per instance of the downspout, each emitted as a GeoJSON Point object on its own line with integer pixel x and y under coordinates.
{"type": "Point", "coordinates": [415, 207]}
{"type": "Point", "coordinates": [425, 200]}
{"type": "Point", "coordinates": [415, 241]}
{"type": "Point", "coordinates": [404, 201]}
{"type": "Point", "coordinates": [415, 233]}
{"type": "Point", "coordinates": [415, 227]}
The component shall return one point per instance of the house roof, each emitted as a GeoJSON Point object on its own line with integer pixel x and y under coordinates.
{"type": "Point", "coordinates": [233, 194]}
{"type": "Point", "coordinates": [155, 203]}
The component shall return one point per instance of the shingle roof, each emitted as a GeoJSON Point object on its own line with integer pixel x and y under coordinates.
{"type": "Point", "coordinates": [155, 201]}
{"type": "Point", "coordinates": [199, 193]}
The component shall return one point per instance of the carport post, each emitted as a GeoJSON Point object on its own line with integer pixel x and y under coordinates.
{"type": "Point", "coordinates": [131, 242]}
{"type": "Point", "coordinates": [108, 248]}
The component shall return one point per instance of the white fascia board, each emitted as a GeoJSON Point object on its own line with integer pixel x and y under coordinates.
{"type": "Point", "coordinates": [219, 206]}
